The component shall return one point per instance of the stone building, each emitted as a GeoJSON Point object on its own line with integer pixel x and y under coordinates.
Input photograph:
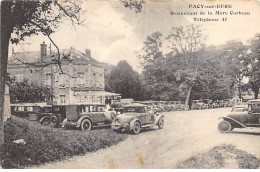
{"type": "Point", "coordinates": [82, 79]}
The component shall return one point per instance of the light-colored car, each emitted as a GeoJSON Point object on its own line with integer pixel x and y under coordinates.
{"type": "Point", "coordinates": [135, 117]}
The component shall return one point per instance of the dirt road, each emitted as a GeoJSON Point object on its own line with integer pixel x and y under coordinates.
{"type": "Point", "coordinates": [185, 134]}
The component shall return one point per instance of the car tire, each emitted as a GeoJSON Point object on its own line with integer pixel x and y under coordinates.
{"type": "Point", "coordinates": [54, 121]}
{"type": "Point", "coordinates": [137, 128]}
{"type": "Point", "coordinates": [167, 109]}
{"type": "Point", "coordinates": [161, 123]}
{"type": "Point", "coordinates": [117, 130]}
{"type": "Point", "coordinates": [46, 121]}
{"type": "Point", "coordinates": [86, 124]}
{"type": "Point", "coordinates": [225, 127]}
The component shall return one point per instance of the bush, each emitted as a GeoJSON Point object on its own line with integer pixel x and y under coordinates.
{"type": "Point", "coordinates": [45, 144]}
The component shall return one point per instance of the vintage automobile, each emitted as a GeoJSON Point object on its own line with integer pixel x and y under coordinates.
{"type": "Point", "coordinates": [88, 116]}
{"type": "Point", "coordinates": [215, 105]}
{"type": "Point", "coordinates": [165, 105]}
{"type": "Point", "coordinates": [135, 117]}
{"type": "Point", "coordinates": [52, 115]}
{"type": "Point", "coordinates": [198, 104]}
{"type": "Point", "coordinates": [45, 114]}
{"type": "Point", "coordinates": [24, 110]}
{"type": "Point", "coordinates": [227, 103]}
{"type": "Point", "coordinates": [239, 108]}
{"type": "Point", "coordinates": [173, 105]}
{"type": "Point", "coordinates": [208, 103]}
{"type": "Point", "coordinates": [149, 105]}
{"type": "Point", "coordinates": [117, 108]}
{"type": "Point", "coordinates": [250, 118]}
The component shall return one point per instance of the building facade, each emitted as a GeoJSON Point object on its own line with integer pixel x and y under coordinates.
{"type": "Point", "coordinates": [79, 81]}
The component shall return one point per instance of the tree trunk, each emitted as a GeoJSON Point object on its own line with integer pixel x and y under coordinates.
{"type": "Point", "coordinates": [188, 98]}
{"type": "Point", "coordinates": [5, 36]}
{"type": "Point", "coordinates": [256, 93]}
{"type": "Point", "coordinates": [239, 89]}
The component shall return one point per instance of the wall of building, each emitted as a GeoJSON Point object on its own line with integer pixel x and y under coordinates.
{"type": "Point", "coordinates": [21, 72]}
{"type": "Point", "coordinates": [82, 76]}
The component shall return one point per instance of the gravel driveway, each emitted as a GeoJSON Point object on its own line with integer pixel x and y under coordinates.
{"type": "Point", "coordinates": [185, 134]}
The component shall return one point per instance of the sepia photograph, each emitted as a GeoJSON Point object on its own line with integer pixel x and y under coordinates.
{"type": "Point", "coordinates": [130, 84]}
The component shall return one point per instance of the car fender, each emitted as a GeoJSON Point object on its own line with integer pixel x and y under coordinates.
{"type": "Point", "coordinates": [81, 119]}
{"type": "Point", "coordinates": [233, 121]}
{"type": "Point", "coordinates": [157, 117]}
{"type": "Point", "coordinates": [44, 118]}
{"type": "Point", "coordinates": [132, 123]}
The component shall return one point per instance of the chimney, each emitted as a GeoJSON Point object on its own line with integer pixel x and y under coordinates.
{"type": "Point", "coordinates": [43, 50]}
{"type": "Point", "coordinates": [88, 53]}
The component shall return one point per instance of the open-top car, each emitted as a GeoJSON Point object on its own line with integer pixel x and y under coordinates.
{"type": "Point", "coordinates": [250, 118]}
{"type": "Point", "coordinates": [135, 117]}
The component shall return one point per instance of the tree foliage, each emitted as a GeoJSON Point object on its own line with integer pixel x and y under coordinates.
{"type": "Point", "coordinates": [252, 65]}
{"type": "Point", "coordinates": [124, 80]}
{"type": "Point", "coordinates": [213, 72]}
{"type": "Point", "coordinates": [25, 92]}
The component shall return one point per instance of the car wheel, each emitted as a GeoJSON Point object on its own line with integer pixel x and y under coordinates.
{"type": "Point", "coordinates": [46, 121]}
{"type": "Point", "coordinates": [117, 130]}
{"type": "Point", "coordinates": [161, 123]}
{"type": "Point", "coordinates": [137, 127]}
{"type": "Point", "coordinates": [54, 121]}
{"type": "Point", "coordinates": [224, 127]}
{"type": "Point", "coordinates": [86, 125]}
{"type": "Point", "coordinates": [167, 109]}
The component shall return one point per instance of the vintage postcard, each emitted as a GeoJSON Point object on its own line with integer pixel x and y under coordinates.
{"type": "Point", "coordinates": [130, 84]}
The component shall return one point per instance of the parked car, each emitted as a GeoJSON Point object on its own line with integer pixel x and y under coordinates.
{"type": "Point", "coordinates": [165, 105]}
{"type": "Point", "coordinates": [149, 105]}
{"type": "Point", "coordinates": [198, 104]}
{"type": "Point", "coordinates": [24, 110]}
{"type": "Point", "coordinates": [88, 116]}
{"type": "Point", "coordinates": [239, 108]}
{"type": "Point", "coordinates": [215, 105]}
{"type": "Point", "coordinates": [208, 103]}
{"type": "Point", "coordinates": [117, 108]}
{"type": "Point", "coordinates": [136, 117]}
{"type": "Point", "coordinates": [227, 103]}
{"type": "Point", "coordinates": [45, 114]}
{"type": "Point", "coordinates": [52, 115]}
{"type": "Point", "coordinates": [173, 105]}
{"type": "Point", "coordinates": [250, 118]}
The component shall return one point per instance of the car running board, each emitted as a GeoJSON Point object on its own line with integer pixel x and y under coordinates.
{"type": "Point", "coordinates": [148, 125]}
{"type": "Point", "coordinates": [101, 125]}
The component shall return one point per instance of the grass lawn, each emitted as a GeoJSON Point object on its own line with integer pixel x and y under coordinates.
{"type": "Point", "coordinates": [45, 144]}
{"type": "Point", "coordinates": [224, 156]}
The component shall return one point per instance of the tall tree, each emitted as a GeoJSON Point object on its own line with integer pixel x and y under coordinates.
{"type": "Point", "coordinates": [20, 19]}
{"type": "Point", "coordinates": [188, 41]}
{"type": "Point", "coordinates": [232, 54]}
{"type": "Point", "coordinates": [124, 80]}
{"type": "Point", "coordinates": [252, 65]}
{"type": "Point", "coordinates": [158, 82]}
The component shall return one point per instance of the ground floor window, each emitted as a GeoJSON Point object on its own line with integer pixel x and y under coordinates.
{"type": "Point", "coordinates": [62, 99]}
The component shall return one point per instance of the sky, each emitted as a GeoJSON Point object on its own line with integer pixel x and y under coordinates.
{"type": "Point", "coordinates": [115, 33]}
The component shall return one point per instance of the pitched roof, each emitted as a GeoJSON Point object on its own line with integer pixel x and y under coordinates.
{"type": "Point", "coordinates": [72, 55]}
